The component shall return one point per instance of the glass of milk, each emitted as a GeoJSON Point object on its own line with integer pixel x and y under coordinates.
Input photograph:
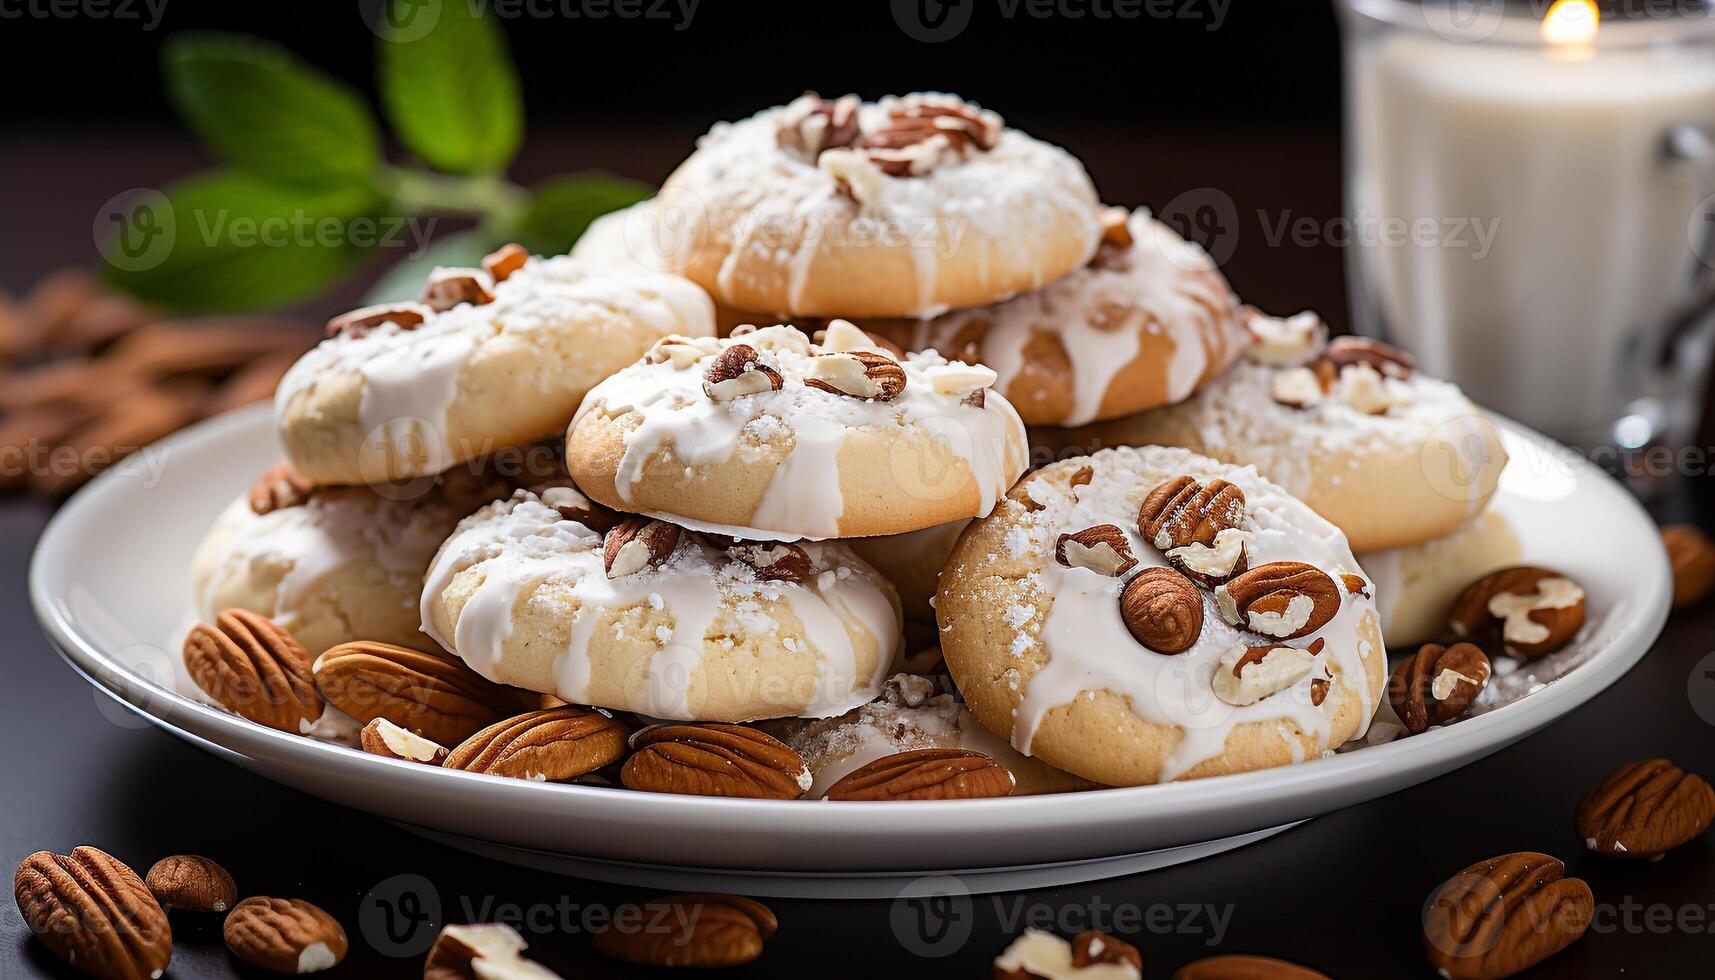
{"type": "Point", "coordinates": [1538, 184]}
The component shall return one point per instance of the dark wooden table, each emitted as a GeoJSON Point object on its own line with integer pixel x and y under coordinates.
{"type": "Point", "coordinates": [1343, 893]}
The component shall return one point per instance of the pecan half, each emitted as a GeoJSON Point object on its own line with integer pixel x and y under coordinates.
{"type": "Point", "coordinates": [92, 911]}
{"type": "Point", "coordinates": [1163, 610]}
{"type": "Point", "coordinates": [193, 883]}
{"type": "Point", "coordinates": [553, 745]}
{"type": "Point", "coordinates": [1102, 549]}
{"type": "Point", "coordinates": [812, 124]}
{"type": "Point", "coordinates": [1504, 915]}
{"type": "Point", "coordinates": [498, 947]}
{"type": "Point", "coordinates": [1644, 810]}
{"type": "Point", "coordinates": [926, 774]}
{"type": "Point", "coordinates": [255, 669]}
{"type": "Point", "coordinates": [737, 371]}
{"type": "Point", "coordinates": [279, 488]}
{"type": "Point", "coordinates": [359, 322]}
{"type": "Point", "coordinates": [1182, 511]}
{"type": "Point", "coordinates": [1530, 611]}
{"type": "Point", "coordinates": [574, 506]}
{"type": "Point", "coordinates": [1092, 948]}
{"type": "Point", "coordinates": [501, 263]}
{"type": "Point", "coordinates": [714, 759]}
{"type": "Point", "coordinates": [284, 935]}
{"type": "Point", "coordinates": [923, 132]}
{"type": "Point", "coordinates": [775, 560]}
{"type": "Point", "coordinates": [1283, 599]}
{"type": "Point", "coordinates": [1210, 565]}
{"type": "Point", "coordinates": [637, 544]}
{"type": "Point", "coordinates": [699, 929]}
{"type": "Point", "coordinates": [1437, 684]}
{"type": "Point", "coordinates": [1242, 967]}
{"type": "Point", "coordinates": [1247, 674]}
{"type": "Point", "coordinates": [857, 374]}
{"type": "Point", "coordinates": [432, 695]}
{"type": "Point", "coordinates": [383, 738]}
{"type": "Point", "coordinates": [1387, 360]}
{"type": "Point", "coordinates": [1693, 558]}
{"type": "Point", "coordinates": [447, 288]}
{"type": "Point", "coordinates": [1039, 955]}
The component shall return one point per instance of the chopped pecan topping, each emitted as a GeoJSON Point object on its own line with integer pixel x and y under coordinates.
{"type": "Point", "coordinates": [812, 124]}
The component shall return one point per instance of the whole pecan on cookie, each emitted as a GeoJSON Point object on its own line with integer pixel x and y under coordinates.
{"type": "Point", "coordinates": [284, 935]}
{"type": "Point", "coordinates": [1282, 599]}
{"type": "Point", "coordinates": [1437, 684]}
{"type": "Point", "coordinates": [714, 759]}
{"type": "Point", "coordinates": [1102, 549]}
{"type": "Point", "coordinates": [926, 774]}
{"type": "Point", "coordinates": [447, 288]}
{"type": "Point", "coordinates": [700, 929]}
{"type": "Point", "coordinates": [92, 911]}
{"type": "Point", "coordinates": [1693, 558]}
{"type": "Point", "coordinates": [432, 695]}
{"type": "Point", "coordinates": [1182, 511]}
{"type": "Point", "coordinates": [1504, 915]}
{"type": "Point", "coordinates": [255, 669]}
{"type": "Point", "coordinates": [737, 371]}
{"type": "Point", "coordinates": [857, 374]}
{"type": "Point", "coordinates": [1645, 809]}
{"type": "Point", "coordinates": [359, 322]}
{"type": "Point", "coordinates": [1162, 610]}
{"type": "Point", "coordinates": [1529, 611]}
{"type": "Point", "coordinates": [552, 745]}
{"type": "Point", "coordinates": [193, 883]}
{"type": "Point", "coordinates": [1243, 967]}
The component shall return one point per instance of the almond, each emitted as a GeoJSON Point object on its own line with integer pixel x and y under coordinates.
{"type": "Point", "coordinates": [1437, 684]}
{"type": "Point", "coordinates": [714, 759]}
{"type": "Point", "coordinates": [775, 560]}
{"type": "Point", "coordinates": [1283, 599]}
{"type": "Point", "coordinates": [692, 930]}
{"type": "Point", "coordinates": [1644, 810]}
{"type": "Point", "coordinates": [93, 912]}
{"type": "Point", "coordinates": [193, 883]}
{"type": "Point", "coordinates": [1387, 360]}
{"type": "Point", "coordinates": [1504, 915]}
{"type": "Point", "coordinates": [447, 288]}
{"type": "Point", "coordinates": [279, 488]}
{"type": "Point", "coordinates": [1693, 558]}
{"type": "Point", "coordinates": [284, 935]}
{"type": "Point", "coordinates": [1242, 967]}
{"type": "Point", "coordinates": [738, 371]}
{"type": "Point", "coordinates": [553, 745]}
{"type": "Point", "coordinates": [383, 738]}
{"type": "Point", "coordinates": [1163, 610]}
{"type": "Point", "coordinates": [501, 263]}
{"type": "Point", "coordinates": [499, 949]}
{"type": "Point", "coordinates": [255, 669]}
{"type": "Point", "coordinates": [857, 374]}
{"type": "Point", "coordinates": [1102, 549]}
{"type": "Point", "coordinates": [926, 774]}
{"type": "Point", "coordinates": [637, 544]}
{"type": "Point", "coordinates": [1246, 674]}
{"type": "Point", "coordinates": [1182, 511]}
{"type": "Point", "coordinates": [1530, 611]}
{"type": "Point", "coordinates": [432, 695]}
{"type": "Point", "coordinates": [357, 323]}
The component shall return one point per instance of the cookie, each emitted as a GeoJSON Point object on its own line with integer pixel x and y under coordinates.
{"type": "Point", "coordinates": [1146, 615]}
{"type": "Point", "coordinates": [912, 562]}
{"type": "Point", "coordinates": [767, 436]}
{"type": "Point", "coordinates": [485, 360]}
{"type": "Point", "coordinates": [1392, 457]}
{"type": "Point", "coordinates": [1416, 585]}
{"type": "Point", "coordinates": [656, 620]}
{"type": "Point", "coordinates": [909, 206]}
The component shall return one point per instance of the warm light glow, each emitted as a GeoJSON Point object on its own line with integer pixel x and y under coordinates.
{"type": "Point", "coordinates": [1571, 24]}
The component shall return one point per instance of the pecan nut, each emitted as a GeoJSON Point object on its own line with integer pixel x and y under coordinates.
{"type": "Point", "coordinates": [383, 738]}
{"type": "Point", "coordinates": [1530, 611]}
{"type": "Point", "coordinates": [637, 544]}
{"type": "Point", "coordinates": [1037, 955]}
{"type": "Point", "coordinates": [1102, 549]}
{"type": "Point", "coordinates": [92, 911]}
{"type": "Point", "coordinates": [926, 774]}
{"type": "Point", "coordinates": [857, 374]}
{"type": "Point", "coordinates": [284, 935]}
{"type": "Point", "coordinates": [737, 371]}
{"type": "Point", "coordinates": [1182, 511]}
{"type": "Point", "coordinates": [714, 759]}
{"type": "Point", "coordinates": [279, 488]}
{"type": "Point", "coordinates": [1693, 558]}
{"type": "Point", "coordinates": [1644, 810]}
{"type": "Point", "coordinates": [1387, 360]}
{"type": "Point", "coordinates": [1246, 674]}
{"type": "Point", "coordinates": [1504, 915]}
{"type": "Point", "coordinates": [1210, 565]}
{"type": "Point", "coordinates": [1162, 610]}
{"type": "Point", "coordinates": [553, 745]}
{"type": "Point", "coordinates": [574, 506]}
{"type": "Point", "coordinates": [255, 669]}
{"type": "Point", "coordinates": [923, 132]}
{"type": "Point", "coordinates": [1437, 684]}
{"type": "Point", "coordinates": [692, 930]}
{"type": "Point", "coordinates": [501, 263]}
{"type": "Point", "coordinates": [1282, 599]}
{"type": "Point", "coordinates": [434, 696]}
{"type": "Point", "coordinates": [812, 124]}
{"type": "Point", "coordinates": [498, 947]}
{"type": "Point", "coordinates": [360, 322]}
{"type": "Point", "coordinates": [447, 288]}
{"type": "Point", "coordinates": [774, 560]}
{"type": "Point", "coordinates": [193, 883]}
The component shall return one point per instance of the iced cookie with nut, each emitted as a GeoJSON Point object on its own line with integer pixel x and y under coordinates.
{"type": "Point", "coordinates": [485, 358]}
{"type": "Point", "coordinates": [1349, 426]}
{"type": "Point", "coordinates": [909, 206]}
{"type": "Point", "coordinates": [766, 435]}
{"type": "Point", "coordinates": [551, 593]}
{"type": "Point", "coordinates": [1145, 615]}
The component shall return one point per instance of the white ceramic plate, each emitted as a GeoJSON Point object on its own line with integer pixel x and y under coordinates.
{"type": "Point", "coordinates": [109, 583]}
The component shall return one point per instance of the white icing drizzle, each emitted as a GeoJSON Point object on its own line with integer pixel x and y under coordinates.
{"type": "Point", "coordinates": [1089, 647]}
{"type": "Point", "coordinates": [411, 378]}
{"type": "Point", "coordinates": [803, 500]}
{"type": "Point", "coordinates": [521, 545]}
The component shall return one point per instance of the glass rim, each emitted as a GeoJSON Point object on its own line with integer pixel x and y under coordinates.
{"type": "Point", "coordinates": [1487, 22]}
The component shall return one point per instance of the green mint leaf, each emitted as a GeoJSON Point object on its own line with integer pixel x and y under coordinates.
{"type": "Point", "coordinates": [404, 281]}
{"type": "Point", "coordinates": [263, 111]}
{"type": "Point", "coordinates": [452, 93]}
{"type": "Point", "coordinates": [222, 241]}
{"type": "Point", "coordinates": [562, 207]}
